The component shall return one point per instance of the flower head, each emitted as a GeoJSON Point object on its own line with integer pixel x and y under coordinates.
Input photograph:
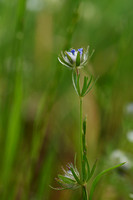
{"type": "Point", "coordinates": [70, 179]}
{"type": "Point", "coordinates": [74, 58]}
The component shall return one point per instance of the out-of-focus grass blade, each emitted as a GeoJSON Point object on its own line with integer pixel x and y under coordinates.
{"type": "Point", "coordinates": [96, 180]}
{"type": "Point", "coordinates": [13, 131]}
{"type": "Point", "coordinates": [46, 174]}
{"type": "Point", "coordinates": [37, 135]}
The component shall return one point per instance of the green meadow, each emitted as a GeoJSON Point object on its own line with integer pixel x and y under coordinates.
{"type": "Point", "coordinates": [39, 109]}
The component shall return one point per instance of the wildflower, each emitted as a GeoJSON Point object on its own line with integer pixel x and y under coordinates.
{"type": "Point", "coordinates": [74, 58]}
{"type": "Point", "coordinates": [70, 179]}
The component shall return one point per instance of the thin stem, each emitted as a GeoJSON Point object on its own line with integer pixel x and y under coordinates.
{"type": "Point", "coordinates": [85, 195]}
{"type": "Point", "coordinates": [81, 133]}
{"type": "Point", "coordinates": [84, 191]}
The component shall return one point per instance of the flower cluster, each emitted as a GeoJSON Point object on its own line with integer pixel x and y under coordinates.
{"type": "Point", "coordinates": [70, 179]}
{"type": "Point", "coordinates": [74, 58]}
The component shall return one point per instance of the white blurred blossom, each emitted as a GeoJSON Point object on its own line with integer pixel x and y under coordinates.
{"type": "Point", "coordinates": [131, 196]}
{"type": "Point", "coordinates": [35, 5]}
{"type": "Point", "coordinates": [130, 136]}
{"type": "Point", "coordinates": [119, 156]}
{"type": "Point", "coordinates": [129, 108]}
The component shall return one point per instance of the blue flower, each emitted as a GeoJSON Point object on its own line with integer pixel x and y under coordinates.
{"type": "Point", "coordinates": [80, 50]}
{"type": "Point", "coordinates": [73, 51]}
{"type": "Point", "coordinates": [74, 58]}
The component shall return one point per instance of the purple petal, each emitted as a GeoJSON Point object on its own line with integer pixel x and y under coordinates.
{"type": "Point", "coordinates": [80, 50]}
{"type": "Point", "coordinates": [73, 51]}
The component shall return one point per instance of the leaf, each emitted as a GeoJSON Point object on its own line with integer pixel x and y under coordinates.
{"type": "Point", "coordinates": [84, 85]}
{"type": "Point", "coordinates": [96, 180]}
{"type": "Point", "coordinates": [93, 170]}
{"type": "Point", "coordinates": [85, 168]}
{"type": "Point", "coordinates": [88, 168]}
{"type": "Point", "coordinates": [61, 183]}
{"type": "Point", "coordinates": [65, 188]}
{"type": "Point", "coordinates": [66, 179]}
{"type": "Point", "coordinates": [84, 126]}
{"type": "Point", "coordinates": [89, 82]}
{"type": "Point", "coordinates": [90, 87]}
{"type": "Point", "coordinates": [78, 59]}
{"type": "Point", "coordinates": [69, 57]}
{"type": "Point", "coordinates": [58, 189]}
{"type": "Point", "coordinates": [92, 53]}
{"type": "Point", "coordinates": [64, 63]}
{"type": "Point", "coordinates": [78, 87]}
{"type": "Point", "coordinates": [75, 80]}
{"type": "Point", "coordinates": [85, 164]}
{"type": "Point", "coordinates": [64, 60]}
{"type": "Point", "coordinates": [75, 176]}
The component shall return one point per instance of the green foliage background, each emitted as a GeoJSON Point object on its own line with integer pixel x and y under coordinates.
{"type": "Point", "coordinates": [39, 109]}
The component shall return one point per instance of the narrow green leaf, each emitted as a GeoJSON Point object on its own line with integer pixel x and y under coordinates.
{"type": "Point", "coordinates": [84, 85]}
{"type": "Point", "coordinates": [89, 82]}
{"type": "Point", "coordinates": [85, 164]}
{"type": "Point", "coordinates": [88, 168]}
{"type": "Point", "coordinates": [84, 172]}
{"type": "Point", "coordinates": [63, 58]}
{"type": "Point", "coordinates": [84, 126]}
{"type": "Point", "coordinates": [96, 180]}
{"type": "Point", "coordinates": [91, 53]}
{"type": "Point", "coordinates": [74, 81]}
{"type": "Point", "coordinates": [84, 144]}
{"type": "Point", "coordinates": [58, 189]}
{"type": "Point", "coordinates": [66, 179]}
{"type": "Point", "coordinates": [75, 176]}
{"type": "Point", "coordinates": [78, 59]}
{"type": "Point", "coordinates": [65, 188]}
{"type": "Point", "coordinates": [61, 183]}
{"type": "Point", "coordinates": [93, 170]}
{"type": "Point", "coordinates": [64, 63]}
{"type": "Point", "coordinates": [78, 86]}
{"type": "Point", "coordinates": [69, 57]}
{"type": "Point", "coordinates": [90, 87]}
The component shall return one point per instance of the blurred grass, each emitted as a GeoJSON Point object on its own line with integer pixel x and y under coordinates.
{"type": "Point", "coordinates": [39, 120]}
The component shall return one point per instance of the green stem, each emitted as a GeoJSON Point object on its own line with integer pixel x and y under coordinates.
{"type": "Point", "coordinates": [85, 195]}
{"type": "Point", "coordinates": [84, 191]}
{"type": "Point", "coordinates": [81, 133]}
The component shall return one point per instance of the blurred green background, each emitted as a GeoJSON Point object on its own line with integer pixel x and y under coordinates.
{"type": "Point", "coordinates": [39, 109]}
